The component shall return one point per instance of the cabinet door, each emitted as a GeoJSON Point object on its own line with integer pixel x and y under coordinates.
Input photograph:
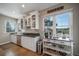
{"type": "Point", "coordinates": [26, 42]}
{"type": "Point", "coordinates": [13, 38]}
{"type": "Point", "coordinates": [28, 22]}
{"type": "Point", "coordinates": [35, 20]}
{"type": "Point", "coordinates": [29, 43]}
{"type": "Point", "coordinates": [34, 43]}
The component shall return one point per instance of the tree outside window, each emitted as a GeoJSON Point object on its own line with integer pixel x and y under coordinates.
{"type": "Point", "coordinates": [10, 27]}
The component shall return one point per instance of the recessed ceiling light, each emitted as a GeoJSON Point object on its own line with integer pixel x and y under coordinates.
{"type": "Point", "coordinates": [23, 5]}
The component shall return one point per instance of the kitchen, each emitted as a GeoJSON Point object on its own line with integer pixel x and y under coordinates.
{"type": "Point", "coordinates": [39, 29]}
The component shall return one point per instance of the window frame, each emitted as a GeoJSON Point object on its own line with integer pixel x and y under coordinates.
{"type": "Point", "coordinates": [6, 27]}
{"type": "Point", "coordinates": [61, 12]}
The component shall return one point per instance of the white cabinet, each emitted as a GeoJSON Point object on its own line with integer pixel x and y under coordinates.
{"type": "Point", "coordinates": [29, 42]}
{"type": "Point", "coordinates": [35, 20]}
{"type": "Point", "coordinates": [28, 21]}
{"type": "Point", "coordinates": [14, 39]}
{"type": "Point", "coordinates": [25, 42]}
{"type": "Point", "coordinates": [32, 20]}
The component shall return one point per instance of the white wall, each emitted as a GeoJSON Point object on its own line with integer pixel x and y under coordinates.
{"type": "Point", "coordinates": [4, 36]}
{"type": "Point", "coordinates": [76, 30]}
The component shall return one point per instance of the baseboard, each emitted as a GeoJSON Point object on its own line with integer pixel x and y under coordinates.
{"type": "Point", "coordinates": [5, 43]}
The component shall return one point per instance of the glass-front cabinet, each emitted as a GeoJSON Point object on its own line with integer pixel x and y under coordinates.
{"type": "Point", "coordinates": [35, 20]}
{"type": "Point", "coordinates": [30, 21]}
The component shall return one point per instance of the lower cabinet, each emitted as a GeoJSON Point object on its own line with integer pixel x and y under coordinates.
{"type": "Point", "coordinates": [29, 42]}
{"type": "Point", "coordinates": [14, 39]}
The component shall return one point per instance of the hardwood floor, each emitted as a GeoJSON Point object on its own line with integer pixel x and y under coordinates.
{"type": "Point", "coordinates": [11, 49]}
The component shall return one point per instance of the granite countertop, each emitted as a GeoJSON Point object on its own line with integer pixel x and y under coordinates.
{"type": "Point", "coordinates": [26, 34]}
{"type": "Point", "coordinates": [31, 34]}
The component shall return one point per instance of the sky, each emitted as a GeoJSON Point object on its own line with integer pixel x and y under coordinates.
{"type": "Point", "coordinates": [62, 20]}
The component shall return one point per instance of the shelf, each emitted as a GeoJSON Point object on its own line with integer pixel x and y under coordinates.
{"type": "Point", "coordinates": [52, 54]}
{"type": "Point", "coordinates": [59, 42]}
{"type": "Point", "coordinates": [58, 49]}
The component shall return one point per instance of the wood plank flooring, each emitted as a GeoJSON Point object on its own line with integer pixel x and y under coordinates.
{"type": "Point", "coordinates": [11, 49]}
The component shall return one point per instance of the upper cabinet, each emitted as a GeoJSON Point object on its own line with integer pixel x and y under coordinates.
{"type": "Point", "coordinates": [32, 21]}
{"type": "Point", "coordinates": [35, 20]}
{"type": "Point", "coordinates": [29, 22]}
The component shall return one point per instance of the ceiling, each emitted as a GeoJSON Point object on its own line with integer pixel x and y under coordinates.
{"type": "Point", "coordinates": [16, 10]}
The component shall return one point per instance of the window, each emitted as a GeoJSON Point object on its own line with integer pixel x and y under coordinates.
{"type": "Point", "coordinates": [48, 23]}
{"type": "Point", "coordinates": [10, 27]}
{"type": "Point", "coordinates": [62, 20]}
{"type": "Point", "coordinates": [63, 25]}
